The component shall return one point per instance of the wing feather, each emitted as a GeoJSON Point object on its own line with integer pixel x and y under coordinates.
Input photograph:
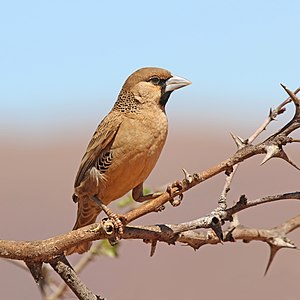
{"type": "Point", "coordinates": [101, 142]}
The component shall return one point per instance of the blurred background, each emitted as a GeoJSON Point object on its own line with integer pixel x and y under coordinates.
{"type": "Point", "coordinates": [62, 66]}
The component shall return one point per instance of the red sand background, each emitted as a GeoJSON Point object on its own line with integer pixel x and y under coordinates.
{"type": "Point", "coordinates": [36, 186]}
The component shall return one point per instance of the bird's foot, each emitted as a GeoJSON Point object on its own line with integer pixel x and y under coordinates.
{"type": "Point", "coordinates": [160, 208]}
{"type": "Point", "coordinates": [173, 189]}
{"type": "Point", "coordinates": [116, 221]}
{"type": "Point", "coordinates": [110, 227]}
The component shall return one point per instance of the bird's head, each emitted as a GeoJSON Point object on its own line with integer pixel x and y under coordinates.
{"type": "Point", "coordinates": [152, 85]}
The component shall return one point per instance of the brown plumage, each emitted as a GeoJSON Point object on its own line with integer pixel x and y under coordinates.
{"type": "Point", "coordinates": [126, 145]}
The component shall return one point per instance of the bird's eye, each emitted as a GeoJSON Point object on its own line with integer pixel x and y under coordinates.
{"type": "Point", "coordinates": [155, 80]}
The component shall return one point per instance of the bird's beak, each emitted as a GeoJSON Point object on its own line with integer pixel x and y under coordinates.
{"type": "Point", "coordinates": [176, 82]}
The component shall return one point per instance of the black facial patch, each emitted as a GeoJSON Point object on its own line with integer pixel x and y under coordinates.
{"type": "Point", "coordinates": [156, 80]}
{"type": "Point", "coordinates": [164, 98]}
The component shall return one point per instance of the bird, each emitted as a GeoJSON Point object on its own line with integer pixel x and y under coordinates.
{"type": "Point", "coordinates": [125, 146]}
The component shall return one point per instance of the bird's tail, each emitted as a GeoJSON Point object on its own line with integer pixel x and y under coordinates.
{"type": "Point", "coordinates": [87, 213]}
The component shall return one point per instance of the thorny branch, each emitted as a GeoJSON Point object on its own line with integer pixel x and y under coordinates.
{"type": "Point", "coordinates": [51, 250]}
{"type": "Point", "coordinates": [272, 147]}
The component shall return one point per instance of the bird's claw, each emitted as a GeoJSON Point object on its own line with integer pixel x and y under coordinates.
{"type": "Point", "coordinates": [107, 225]}
{"type": "Point", "coordinates": [159, 209]}
{"type": "Point", "coordinates": [117, 223]}
{"type": "Point", "coordinates": [174, 188]}
{"type": "Point", "coordinates": [113, 224]}
{"type": "Point", "coordinates": [176, 202]}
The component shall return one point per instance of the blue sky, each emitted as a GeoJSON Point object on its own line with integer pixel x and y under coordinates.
{"type": "Point", "coordinates": [64, 62]}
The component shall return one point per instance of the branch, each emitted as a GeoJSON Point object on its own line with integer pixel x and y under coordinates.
{"type": "Point", "coordinates": [53, 247]}
{"type": "Point", "coordinates": [272, 146]}
{"type": "Point", "coordinates": [35, 253]}
{"type": "Point", "coordinates": [82, 263]}
{"type": "Point", "coordinates": [49, 249]}
{"type": "Point", "coordinates": [272, 116]}
{"type": "Point", "coordinates": [243, 203]}
{"type": "Point", "coordinates": [66, 272]}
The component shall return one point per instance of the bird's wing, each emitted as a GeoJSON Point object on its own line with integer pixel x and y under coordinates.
{"type": "Point", "coordinates": [100, 142]}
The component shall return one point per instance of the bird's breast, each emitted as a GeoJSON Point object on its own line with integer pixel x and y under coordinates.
{"type": "Point", "coordinates": [136, 149]}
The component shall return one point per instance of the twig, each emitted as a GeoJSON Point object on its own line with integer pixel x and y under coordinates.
{"type": "Point", "coordinates": [85, 259]}
{"type": "Point", "coordinates": [271, 117]}
{"type": "Point", "coordinates": [65, 271]}
{"type": "Point", "coordinates": [243, 203]}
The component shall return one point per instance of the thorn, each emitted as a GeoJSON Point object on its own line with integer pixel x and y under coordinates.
{"type": "Point", "coordinates": [35, 270]}
{"type": "Point", "coordinates": [295, 99]}
{"type": "Point", "coordinates": [284, 156]}
{"type": "Point", "coordinates": [217, 228]}
{"type": "Point", "coordinates": [275, 151]}
{"type": "Point", "coordinates": [272, 151]}
{"type": "Point", "coordinates": [276, 244]}
{"type": "Point", "coordinates": [229, 236]}
{"type": "Point", "coordinates": [240, 143]}
{"type": "Point", "coordinates": [153, 247]}
{"type": "Point", "coordinates": [283, 86]}
{"type": "Point", "coordinates": [187, 175]}
{"type": "Point", "coordinates": [271, 114]}
{"type": "Point", "coordinates": [273, 252]}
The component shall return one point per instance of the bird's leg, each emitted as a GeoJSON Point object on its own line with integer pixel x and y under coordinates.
{"type": "Point", "coordinates": [138, 195]}
{"type": "Point", "coordinates": [119, 226]}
